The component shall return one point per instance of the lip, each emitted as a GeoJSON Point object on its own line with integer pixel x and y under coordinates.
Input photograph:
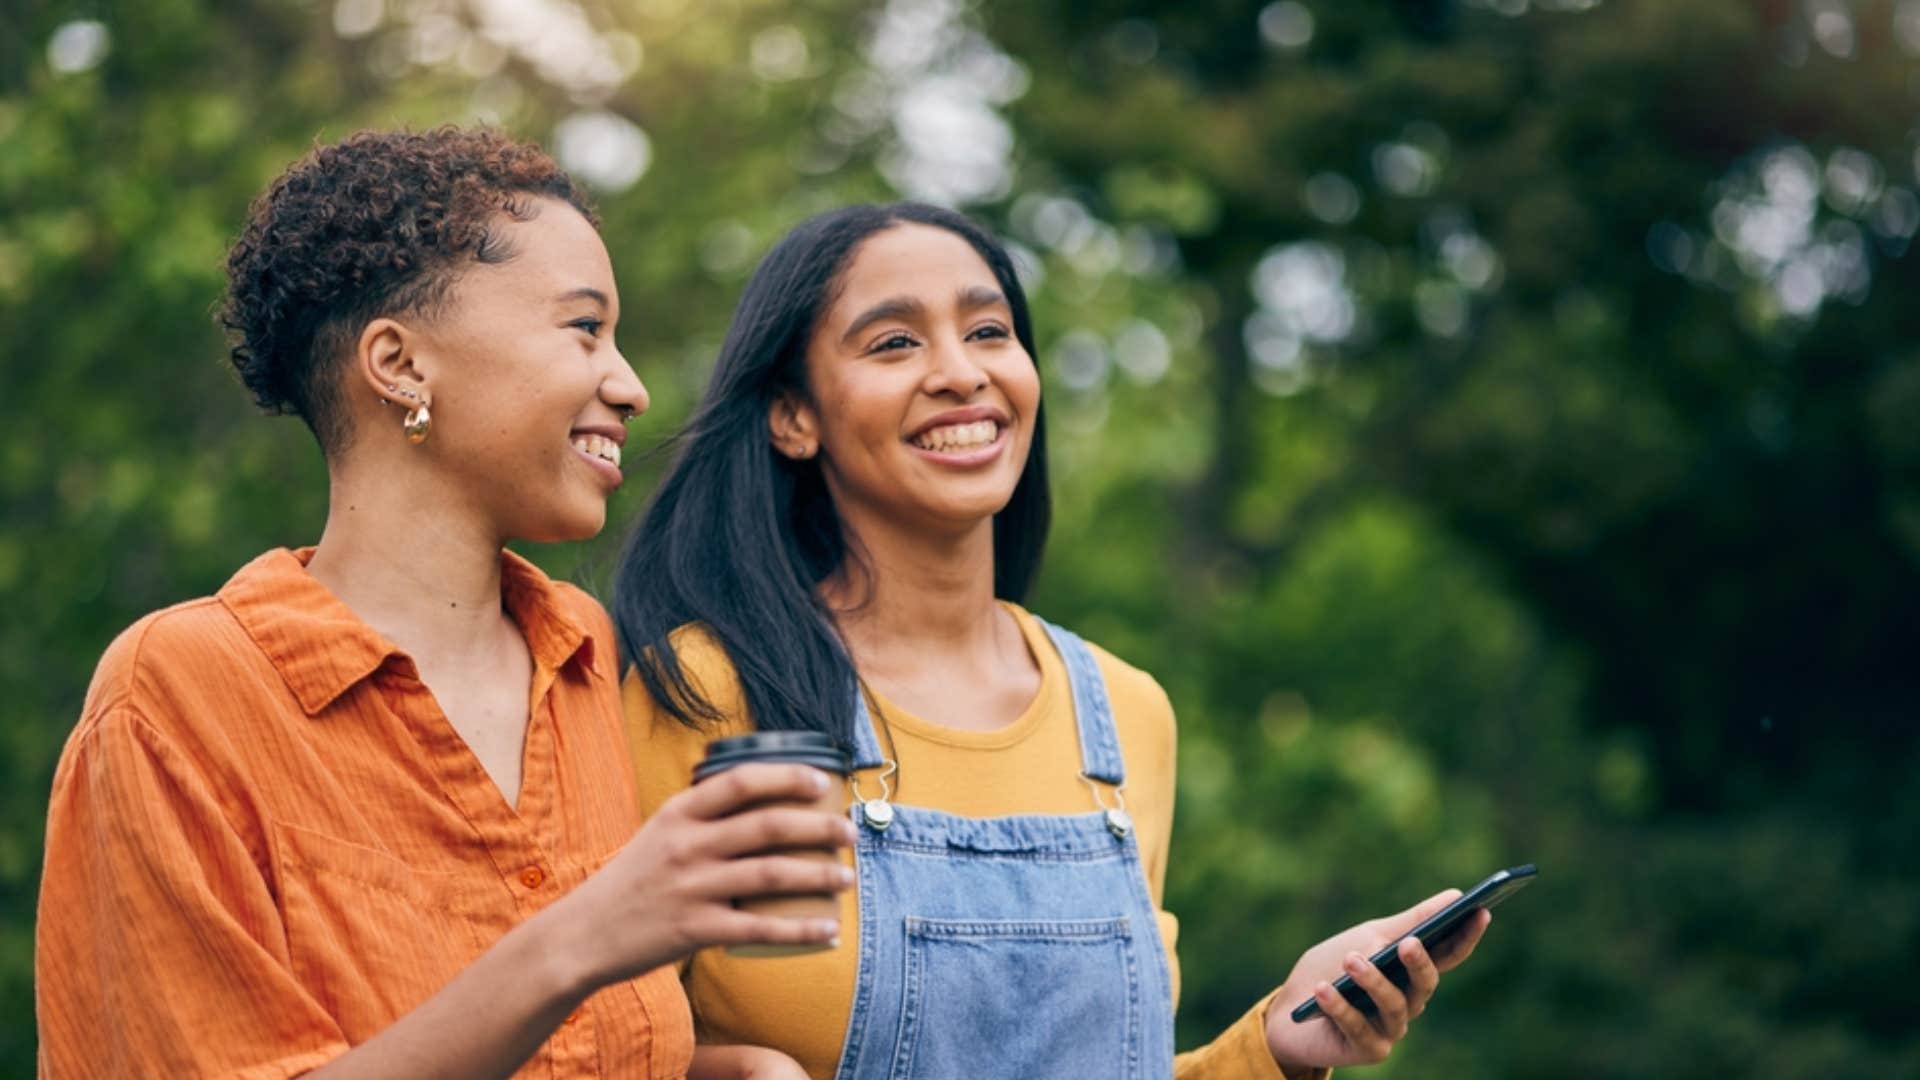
{"type": "Point", "coordinates": [614, 433]}
{"type": "Point", "coordinates": [967, 459]}
{"type": "Point", "coordinates": [970, 414]}
{"type": "Point", "coordinates": [611, 432]}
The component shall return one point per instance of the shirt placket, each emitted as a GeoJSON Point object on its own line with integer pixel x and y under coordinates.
{"type": "Point", "coordinates": [519, 842]}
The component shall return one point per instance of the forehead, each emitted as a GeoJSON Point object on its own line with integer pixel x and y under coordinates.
{"type": "Point", "coordinates": [555, 245]}
{"type": "Point", "coordinates": [920, 261]}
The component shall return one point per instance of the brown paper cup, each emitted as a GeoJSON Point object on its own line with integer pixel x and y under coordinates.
{"type": "Point", "coordinates": [782, 747]}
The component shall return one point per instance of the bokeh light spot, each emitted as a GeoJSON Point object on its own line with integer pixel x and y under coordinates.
{"type": "Point", "coordinates": [78, 46]}
{"type": "Point", "coordinates": [603, 148]}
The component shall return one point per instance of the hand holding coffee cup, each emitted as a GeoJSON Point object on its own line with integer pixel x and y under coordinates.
{"type": "Point", "coordinates": [789, 748]}
{"type": "Point", "coordinates": [672, 888]}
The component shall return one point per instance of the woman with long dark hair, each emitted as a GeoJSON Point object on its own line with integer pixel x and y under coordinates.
{"type": "Point", "coordinates": [365, 811]}
{"type": "Point", "coordinates": [840, 546]}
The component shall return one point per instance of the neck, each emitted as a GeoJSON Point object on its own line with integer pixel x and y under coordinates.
{"type": "Point", "coordinates": [917, 595]}
{"type": "Point", "coordinates": [424, 573]}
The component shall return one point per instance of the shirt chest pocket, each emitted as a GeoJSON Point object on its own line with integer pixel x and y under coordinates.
{"type": "Point", "coordinates": [974, 988]}
{"type": "Point", "coordinates": [369, 936]}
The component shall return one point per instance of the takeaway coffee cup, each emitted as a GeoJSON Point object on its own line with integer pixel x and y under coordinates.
{"type": "Point", "coordinates": [786, 748]}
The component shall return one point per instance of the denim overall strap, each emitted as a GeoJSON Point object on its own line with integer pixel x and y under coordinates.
{"type": "Point", "coordinates": [866, 747]}
{"type": "Point", "coordinates": [1019, 946]}
{"type": "Point", "coordinates": [1099, 746]}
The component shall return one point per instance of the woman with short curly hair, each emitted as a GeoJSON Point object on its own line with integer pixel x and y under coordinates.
{"type": "Point", "coordinates": [366, 810]}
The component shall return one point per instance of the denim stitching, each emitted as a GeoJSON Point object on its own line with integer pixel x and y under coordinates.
{"type": "Point", "coordinates": [1117, 928]}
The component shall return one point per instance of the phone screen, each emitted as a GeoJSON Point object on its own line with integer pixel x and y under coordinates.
{"type": "Point", "coordinates": [1487, 894]}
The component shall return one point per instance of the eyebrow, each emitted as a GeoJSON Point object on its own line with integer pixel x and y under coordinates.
{"type": "Point", "coordinates": [971, 298]}
{"type": "Point", "coordinates": [584, 292]}
{"type": "Point", "coordinates": [975, 297]}
{"type": "Point", "coordinates": [896, 307]}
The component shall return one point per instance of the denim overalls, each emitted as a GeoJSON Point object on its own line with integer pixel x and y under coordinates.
{"type": "Point", "coordinates": [1022, 947]}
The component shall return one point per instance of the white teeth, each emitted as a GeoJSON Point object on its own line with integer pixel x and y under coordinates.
{"type": "Point", "coordinates": [959, 436]}
{"type": "Point", "coordinates": [598, 446]}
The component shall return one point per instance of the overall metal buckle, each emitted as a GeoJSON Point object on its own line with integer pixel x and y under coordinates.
{"type": "Point", "coordinates": [1119, 822]}
{"type": "Point", "coordinates": [875, 814]}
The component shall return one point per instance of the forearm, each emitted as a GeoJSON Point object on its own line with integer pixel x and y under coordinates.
{"type": "Point", "coordinates": [488, 1021]}
{"type": "Point", "coordinates": [1239, 1053]}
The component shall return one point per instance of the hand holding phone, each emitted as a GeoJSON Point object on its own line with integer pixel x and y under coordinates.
{"type": "Point", "coordinates": [1430, 932]}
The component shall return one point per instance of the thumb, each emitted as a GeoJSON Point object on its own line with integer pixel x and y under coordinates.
{"type": "Point", "coordinates": [1394, 926]}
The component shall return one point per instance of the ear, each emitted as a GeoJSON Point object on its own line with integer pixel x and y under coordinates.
{"type": "Point", "coordinates": [386, 359]}
{"type": "Point", "coordinates": [793, 427]}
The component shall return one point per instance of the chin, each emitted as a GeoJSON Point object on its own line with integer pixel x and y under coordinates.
{"type": "Point", "coordinates": [562, 526]}
{"type": "Point", "coordinates": [963, 514]}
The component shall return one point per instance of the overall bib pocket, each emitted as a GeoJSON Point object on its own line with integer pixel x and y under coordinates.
{"type": "Point", "coordinates": [1081, 975]}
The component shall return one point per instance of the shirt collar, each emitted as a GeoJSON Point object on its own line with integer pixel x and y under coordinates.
{"type": "Point", "coordinates": [321, 648]}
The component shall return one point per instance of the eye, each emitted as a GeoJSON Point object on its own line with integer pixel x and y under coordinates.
{"type": "Point", "coordinates": [891, 342]}
{"type": "Point", "coordinates": [591, 326]}
{"type": "Point", "coordinates": [989, 332]}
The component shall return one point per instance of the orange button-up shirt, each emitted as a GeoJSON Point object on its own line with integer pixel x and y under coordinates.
{"type": "Point", "coordinates": [266, 842]}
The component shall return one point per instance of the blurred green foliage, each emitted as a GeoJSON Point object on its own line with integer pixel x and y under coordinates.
{"type": "Point", "coordinates": [1485, 418]}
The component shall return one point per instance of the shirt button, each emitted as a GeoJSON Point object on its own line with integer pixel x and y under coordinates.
{"type": "Point", "coordinates": [532, 876]}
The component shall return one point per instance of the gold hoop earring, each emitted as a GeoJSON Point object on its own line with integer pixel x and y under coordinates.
{"type": "Point", "coordinates": [417, 423]}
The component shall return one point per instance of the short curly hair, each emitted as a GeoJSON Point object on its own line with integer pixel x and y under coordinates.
{"type": "Point", "coordinates": [379, 223]}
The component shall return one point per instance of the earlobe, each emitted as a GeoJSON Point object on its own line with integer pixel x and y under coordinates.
{"type": "Point", "coordinates": [790, 427]}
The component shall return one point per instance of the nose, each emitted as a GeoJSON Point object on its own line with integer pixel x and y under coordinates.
{"type": "Point", "coordinates": [622, 388]}
{"type": "Point", "coordinates": [954, 371]}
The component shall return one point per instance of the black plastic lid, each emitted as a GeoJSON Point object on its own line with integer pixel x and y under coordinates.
{"type": "Point", "coordinates": [776, 747]}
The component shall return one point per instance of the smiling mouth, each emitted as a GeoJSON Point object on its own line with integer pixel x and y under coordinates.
{"type": "Point", "coordinates": [598, 446]}
{"type": "Point", "coordinates": [951, 438]}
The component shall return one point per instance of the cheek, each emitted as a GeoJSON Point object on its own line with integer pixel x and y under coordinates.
{"type": "Point", "coordinates": [863, 412]}
{"type": "Point", "coordinates": [1020, 381]}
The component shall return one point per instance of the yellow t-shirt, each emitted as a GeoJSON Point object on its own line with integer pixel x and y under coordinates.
{"type": "Point", "coordinates": [800, 1004]}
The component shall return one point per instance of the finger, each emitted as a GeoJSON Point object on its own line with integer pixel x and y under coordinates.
{"type": "Point", "coordinates": [772, 875]}
{"type": "Point", "coordinates": [726, 926]}
{"type": "Point", "coordinates": [1460, 944]}
{"type": "Point", "coordinates": [1367, 1044]}
{"type": "Point", "coordinates": [1392, 926]}
{"type": "Point", "coordinates": [776, 828]}
{"type": "Point", "coordinates": [1422, 977]}
{"type": "Point", "coordinates": [748, 785]}
{"type": "Point", "coordinates": [1390, 1004]}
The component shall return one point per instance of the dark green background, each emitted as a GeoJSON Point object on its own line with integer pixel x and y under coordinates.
{"type": "Point", "coordinates": [1582, 527]}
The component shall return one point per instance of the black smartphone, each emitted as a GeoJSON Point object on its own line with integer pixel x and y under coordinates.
{"type": "Point", "coordinates": [1450, 918]}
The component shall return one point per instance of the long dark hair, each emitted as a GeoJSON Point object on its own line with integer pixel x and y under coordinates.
{"type": "Point", "coordinates": [739, 537]}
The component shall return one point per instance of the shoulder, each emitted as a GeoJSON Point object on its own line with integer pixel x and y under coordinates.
{"type": "Point", "coordinates": [704, 662]}
{"type": "Point", "coordinates": [145, 666]}
{"type": "Point", "coordinates": [699, 650]}
{"type": "Point", "coordinates": [707, 667]}
{"type": "Point", "coordinates": [1136, 696]}
{"type": "Point", "coordinates": [1132, 690]}
{"type": "Point", "coordinates": [1142, 717]}
{"type": "Point", "coordinates": [141, 706]}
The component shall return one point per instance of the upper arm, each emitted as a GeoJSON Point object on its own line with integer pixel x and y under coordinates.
{"type": "Point", "coordinates": [154, 913]}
